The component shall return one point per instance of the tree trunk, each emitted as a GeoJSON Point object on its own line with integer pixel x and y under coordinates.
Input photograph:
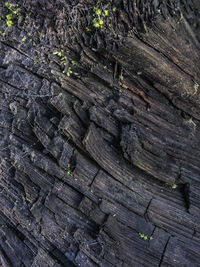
{"type": "Point", "coordinates": [100, 133]}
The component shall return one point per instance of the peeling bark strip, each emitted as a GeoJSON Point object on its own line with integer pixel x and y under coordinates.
{"type": "Point", "coordinates": [100, 130]}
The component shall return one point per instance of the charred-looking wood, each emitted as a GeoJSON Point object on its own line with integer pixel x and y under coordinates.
{"type": "Point", "coordinates": [100, 130]}
{"type": "Point", "coordinates": [186, 193]}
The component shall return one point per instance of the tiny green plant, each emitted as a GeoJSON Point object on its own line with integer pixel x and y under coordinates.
{"type": "Point", "coordinates": [98, 19]}
{"type": "Point", "coordinates": [98, 23]}
{"type": "Point", "coordinates": [69, 71]}
{"type": "Point", "coordinates": [69, 172]}
{"type": "Point", "coordinates": [58, 53]}
{"type": "Point", "coordinates": [13, 13]}
{"type": "Point", "coordinates": [9, 20]}
{"type": "Point", "coordinates": [121, 77]}
{"type": "Point", "coordinates": [103, 15]}
{"type": "Point", "coordinates": [139, 73]}
{"type": "Point", "coordinates": [106, 13]}
{"type": "Point", "coordinates": [174, 186]}
{"type": "Point", "coordinates": [2, 33]}
{"type": "Point", "coordinates": [97, 11]}
{"type": "Point", "coordinates": [145, 237]}
{"type": "Point", "coordinates": [12, 7]}
{"type": "Point", "coordinates": [88, 29]}
{"type": "Point", "coordinates": [74, 63]}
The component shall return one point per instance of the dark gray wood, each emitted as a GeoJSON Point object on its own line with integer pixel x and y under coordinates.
{"type": "Point", "coordinates": [100, 133]}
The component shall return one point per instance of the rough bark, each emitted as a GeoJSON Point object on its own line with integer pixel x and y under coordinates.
{"type": "Point", "coordinates": [100, 133]}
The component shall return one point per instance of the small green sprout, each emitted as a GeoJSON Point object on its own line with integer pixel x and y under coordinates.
{"type": "Point", "coordinates": [9, 19]}
{"type": "Point", "coordinates": [69, 172]}
{"type": "Point", "coordinates": [2, 33]}
{"type": "Point", "coordinates": [12, 7]}
{"type": "Point", "coordinates": [98, 23]}
{"type": "Point", "coordinates": [24, 39]}
{"type": "Point", "coordinates": [139, 73]}
{"type": "Point", "coordinates": [98, 11]}
{"type": "Point", "coordinates": [121, 77]}
{"type": "Point", "coordinates": [145, 237]}
{"type": "Point", "coordinates": [114, 9]}
{"type": "Point", "coordinates": [69, 71]}
{"type": "Point", "coordinates": [106, 13]}
{"type": "Point", "coordinates": [9, 23]}
{"type": "Point", "coordinates": [174, 186]}
{"type": "Point", "coordinates": [8, 5]}
{"type": "Point", "coordinates": [74, 63]}
{"type": "Point", "coordinates": [68, 169]}
{"type": "Point", "coordinates": [58, 53]}
{"type": "Point", "coordinates": [101, 22]}
{"type": "Point", "coordinates": [88, 29]}
{"type": "Point", "coordinates": [142, 235]}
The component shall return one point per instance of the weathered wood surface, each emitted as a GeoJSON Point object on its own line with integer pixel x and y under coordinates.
{"type": "Point", "coordinates": [88, 161]}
